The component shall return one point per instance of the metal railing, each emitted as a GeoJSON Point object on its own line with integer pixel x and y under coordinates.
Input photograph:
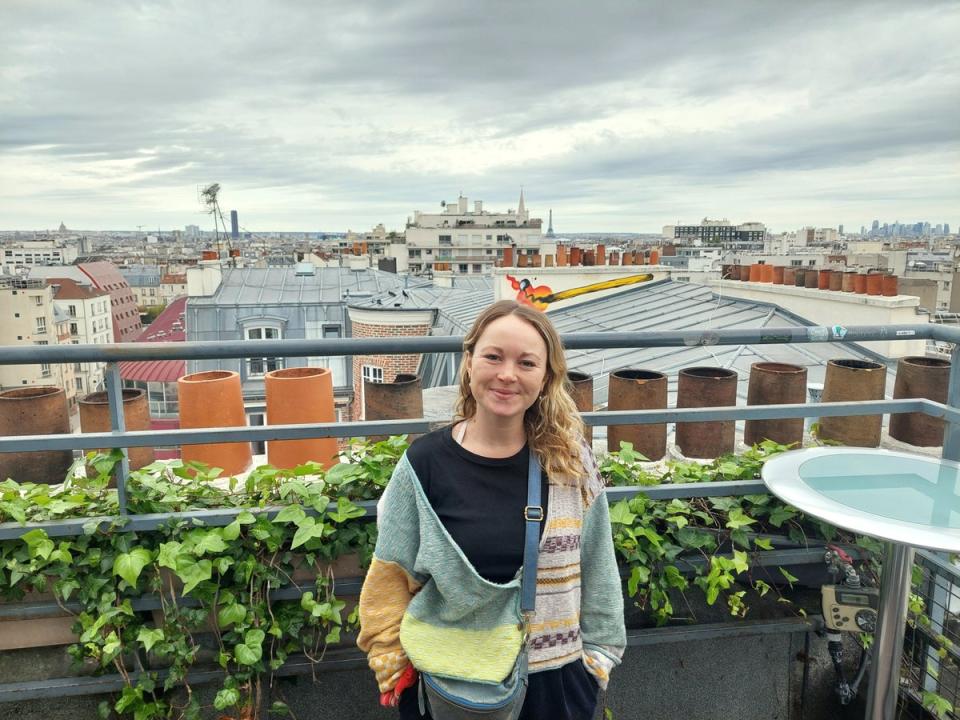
{"type": "Point", "coordinates": [942, 579]}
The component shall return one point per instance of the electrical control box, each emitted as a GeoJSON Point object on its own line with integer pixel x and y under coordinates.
{"type": "Point", "coordinates": [850, 609]}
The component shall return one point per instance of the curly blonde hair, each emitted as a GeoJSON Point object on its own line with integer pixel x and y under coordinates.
{"type": "Point", "coordinates": [553, 426]}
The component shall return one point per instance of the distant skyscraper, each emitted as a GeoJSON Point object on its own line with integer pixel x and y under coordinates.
{"type": "Point", "coordinates": [840, 229]}
{"type": "Point", "coordinates": [946, 228]}
{"type": "Point", "coordinates": [876, 225]}
{"type": "Point", "coordinates": [234, 225]}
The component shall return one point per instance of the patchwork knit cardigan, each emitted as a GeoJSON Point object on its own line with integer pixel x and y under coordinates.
{"type": "Point", "coordinates": [423, 602]}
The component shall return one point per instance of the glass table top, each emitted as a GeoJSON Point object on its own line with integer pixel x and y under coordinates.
{"type": "Point", "coordinates": [912, 499]}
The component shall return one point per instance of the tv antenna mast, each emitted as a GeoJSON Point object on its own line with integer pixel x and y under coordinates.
{"type": "Point", "coordinates": [208, 196]}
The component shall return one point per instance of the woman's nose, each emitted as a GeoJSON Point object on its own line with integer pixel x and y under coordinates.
{"type": "Point", "coordinates": [507, 371]}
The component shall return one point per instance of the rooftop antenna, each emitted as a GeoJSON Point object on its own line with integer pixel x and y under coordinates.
{"type": "Point", "coordinates": [208, 196]}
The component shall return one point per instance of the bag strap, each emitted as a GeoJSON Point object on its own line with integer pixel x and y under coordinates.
{"type": "Point", "coordinates": [533, 515]}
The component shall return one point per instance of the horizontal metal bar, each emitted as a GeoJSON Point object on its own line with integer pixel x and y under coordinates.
{"type": "Point", "coordinates": [218, 517]}
{"type": "Point", "coordinates": [938, 565]}
{"type": "Point", "coordinates": [714, 631]}
{"type": "Point", "coordinates": [221, 517]}
{"type": "Point", "coordinates": [156, 438]}
{"type": "Point", "coordinates": [335, 660]}
{"type": "Point", "coordinates": [669, 491]}
{"type": "Point", "coordinates": [345, 587]}
{"type": "Point", "coordinates": [208, 350]}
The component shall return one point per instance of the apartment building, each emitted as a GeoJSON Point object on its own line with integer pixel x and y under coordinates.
{"type": "Point", "coordinates": [103, 275]}
{"type": "Point", "coordinates": [37, 252]}
{"type": "Point", "coordinates": [29, 316]}
{"type": "Point", "coordinates": [747, 236]}
{"type": "Point", "coordinates": [89, 319]}
{"type": "Point", "coordinates": [464, 241]}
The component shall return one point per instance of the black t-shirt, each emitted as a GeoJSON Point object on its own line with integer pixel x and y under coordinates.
{"type": "Point", "coordinates": [479, 500]}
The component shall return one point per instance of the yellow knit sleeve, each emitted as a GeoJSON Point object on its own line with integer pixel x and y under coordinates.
{"type": "Point", "coordinates": [386, 593]}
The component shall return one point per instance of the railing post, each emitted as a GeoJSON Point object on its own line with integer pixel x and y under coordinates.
{"type": "Point", "coordinates": [951, 432]}
{"type": "Point", "coordinates": [937, 594]}
{"type": "Point", "coordinates": [117, 425]}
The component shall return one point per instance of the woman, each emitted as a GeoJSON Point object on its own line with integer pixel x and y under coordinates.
{"type": "Point", "coordinates": [442, 591]}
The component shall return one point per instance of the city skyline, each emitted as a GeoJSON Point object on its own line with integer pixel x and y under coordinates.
{"type": "Point", "coordinates": [619, 118]}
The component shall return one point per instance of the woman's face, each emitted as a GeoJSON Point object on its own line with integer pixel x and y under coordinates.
{"type": "Point", "coordinates": [507, 368]}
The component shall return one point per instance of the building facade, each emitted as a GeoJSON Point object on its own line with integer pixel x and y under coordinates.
{"type": "Point", "coordinates": [89, 322]}
{"type": "Point", "coordinates": [301, 302]}
{"type": "Point", "coordinates": [29, 317]}
{"type": "Point", "coordinates": [747, 236]}
{"type": "Point", "coordinates": [103, 275]}
{"type": "Point", "coordinates": [465, 241]}
{"type": "Point", "coordinates": [37, 252]}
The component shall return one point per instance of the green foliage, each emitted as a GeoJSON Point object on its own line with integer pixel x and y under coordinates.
{"type": "Point", "coordinates": [228, 572]}
{"type": "Point", "coordinates": [666, 549]}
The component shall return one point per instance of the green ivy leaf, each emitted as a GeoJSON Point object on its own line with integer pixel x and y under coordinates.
{"type": "Point", "coordinates": [231, 614]}
{"type": "Point", "coordinates": [250, 650]}
{"type": "Point", "coordinates": [620, 513]}
{"type": "Point", "coordinates": [193, 573]}
{"type": "Point", "coordinates": [290, 514]}
{"type": "Point", "coordinates": [763, 543]}
{"type": "Point", "coordinates": [206, 541]}
{"type": "Point", "coordinates": [246, 518]}
{"type": "Point", "coordinates": [39, 543]}
{"type": "Point", "coordinates": [130, 565]}
{"type": "Point", "coordinates": [346, 510]}
{"type": "Point", "coordinates": [737, 519]}
{"type": "Point", "coordinates": [169, 554]}
{"type": "Point", "coordinates": [309, 528]}
{"type": "Point", "coordinates": [780, 515]}
{"type": "Point", "coordinates": [232, 531]}
{"type": "Point", "coordinates": [149, 637]}
{"type": "Point", "coordinates": [789, 578]}
{"type": "Point", "coordinates": [638, 574]}
{"type": "Point", "coordinates": [228, 697]}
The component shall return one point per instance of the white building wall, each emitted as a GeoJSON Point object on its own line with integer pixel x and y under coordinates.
{"type": "Point", "coordinates": [830, 309]}
{"type": "Point", "coordinates": [91, 323]}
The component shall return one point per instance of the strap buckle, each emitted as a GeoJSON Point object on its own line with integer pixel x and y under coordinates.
{"type": "Point", "coordinates": [533, 513]}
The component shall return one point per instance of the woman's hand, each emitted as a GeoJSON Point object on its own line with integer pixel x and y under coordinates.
{"type": "Point", "coordinates": [392, 697]}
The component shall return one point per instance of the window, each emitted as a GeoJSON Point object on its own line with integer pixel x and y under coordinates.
{"type": "Point", "coordinates": [41, 325]}
{"type": "Point", "coordinates": [78, 382]}
{"type": "Point", "coordinates": [78, 367]}
{"type": "Point", "coordinates": [261, 366]}
{"type": "Point", "coordinates": [72, 310]}
{"type": "Point", "coordinates": [316, 330]}
{"type": "Point", "coordinates": [462, 267]}
{"type": "Point", "coordinates": [812, 263]}
{"type": "Point", "coordinates": [796, 263]}
{"type": "Point", "coordinates": [38, 300]}
{"type": "Point", "coordinates": [45, 369]}
{"type": "Point", "coordinates": [372, 373]}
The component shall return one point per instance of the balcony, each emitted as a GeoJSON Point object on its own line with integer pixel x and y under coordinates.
{"type": "Point", "coordinates": [771, 663]}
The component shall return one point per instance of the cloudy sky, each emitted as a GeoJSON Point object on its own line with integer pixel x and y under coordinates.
{"type": "Point", "coordinates": [621, 116]}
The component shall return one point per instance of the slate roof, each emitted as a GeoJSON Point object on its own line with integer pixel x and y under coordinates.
{"type": "Point", "coordinates": [169, 326]}
{"type": "Point", "coordinates": [663, 306]}
{"type": "Point", "coordinates": [283, 286]}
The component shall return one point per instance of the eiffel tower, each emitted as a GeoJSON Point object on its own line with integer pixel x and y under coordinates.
{"type": "Point", "coordinates": [550, 225]}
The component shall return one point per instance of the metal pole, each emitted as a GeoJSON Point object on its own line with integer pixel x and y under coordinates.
{"type": "Point", "coordinates": [115, 398]}
{"type": "Point", "coordinates": [951, 432]}
{"type": "Point", "coordinates": [891, 625]}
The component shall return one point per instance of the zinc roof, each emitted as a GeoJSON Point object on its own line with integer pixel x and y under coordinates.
{"type": "Point", "coordinates": [283, 286]}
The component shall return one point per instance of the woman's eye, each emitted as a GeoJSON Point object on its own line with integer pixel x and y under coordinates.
{"type": "Point", "coordinates": [491, 356]}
